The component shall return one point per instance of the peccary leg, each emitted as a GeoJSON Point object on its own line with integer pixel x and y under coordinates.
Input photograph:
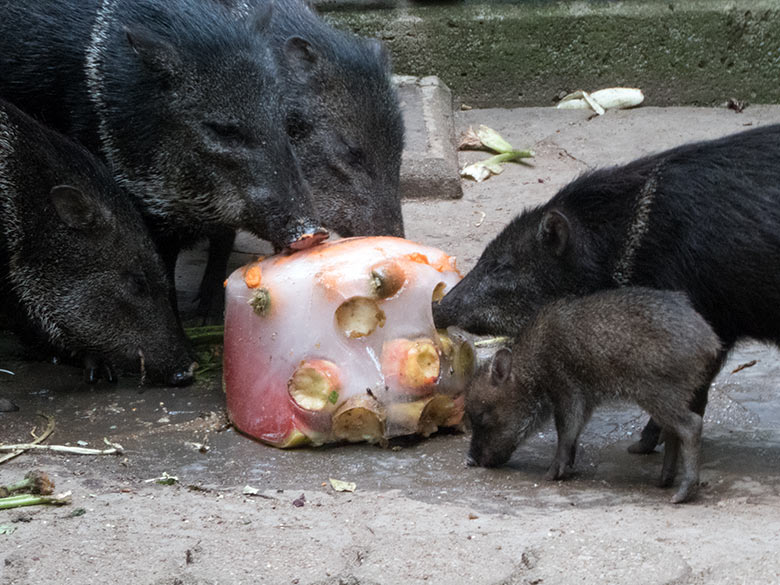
{"type": "Point", "coordinates": [671, 451]}
{"type": "Point", "coordinates": [651, 434]}
{"type": "Point", "coordinates": [169, 252]}
{"type": "Point", "coordinates": [169, 248]}
{"type": "Point", "coordinates": [570, 418]}
{"type": "Point", "coordinates": [210, 297]}
{"type": "Point", "coordinates": [682, 428]}
{"type": "Point", "coordinates": [689, 433]}
{"type": "Point", "coordinates": [647, 440]}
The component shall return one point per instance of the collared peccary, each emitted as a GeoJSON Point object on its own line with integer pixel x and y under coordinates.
{"type": "Point", "coordinates": [179, 97]}
{"type": "Point", "coordinates": [644, 345]}
{"type": "Point", "coordinates": [78, 271]}
{"type": "Point", "coordinates": [344, 120]}
{"type": "Point", "coordinates": [703, 218]}
{"type": "Point", "coordinates": [343, 117]}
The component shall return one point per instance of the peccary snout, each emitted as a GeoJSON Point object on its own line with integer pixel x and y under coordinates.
{"type": "Point", "coordinates": [166, 367]}
{"type": "Point", "coordinates": [287, 221]}
{"type": "Point", "coordinates": [304, 234]}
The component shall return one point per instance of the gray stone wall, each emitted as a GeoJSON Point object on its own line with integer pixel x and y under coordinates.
{"type": "Point", "coordinates": [529, 53]}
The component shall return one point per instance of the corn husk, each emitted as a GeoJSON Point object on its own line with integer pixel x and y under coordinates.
{"type": "Point", "coordinates": [603, 99]}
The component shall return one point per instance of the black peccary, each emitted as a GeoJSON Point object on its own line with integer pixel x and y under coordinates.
{"type": "Point", "coordinates": [179, 97]}
{"type": "Point", "coordinates": [345, 123]}
{"type": "Point", "coordinates": [78, 271]}
{"type": "Point", "coordinates": [344, 120]}
{"type": "Point", "coordinates": [644, 345]}
{"type": "Point", "coordinates": [343, 117]}
{"type": "Point", "coordinates": [703, 218]}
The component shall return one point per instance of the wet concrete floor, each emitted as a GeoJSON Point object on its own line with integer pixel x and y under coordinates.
{"type": "Point", "coordinates": [163, 429]}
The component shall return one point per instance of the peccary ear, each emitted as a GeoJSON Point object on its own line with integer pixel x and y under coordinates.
{"type": "Point", "coordinates": [75, 209]}
{"type": "Point", "coordinates": [501, 366]}
{"type": "Point", "coordinates": [554, 231]}
{"type": "Point", "coordinates": [378, 48]}
{"type": "Point", "coordinates": [301, 57]}
{"type": "Point", "coordinates": [155, 52]}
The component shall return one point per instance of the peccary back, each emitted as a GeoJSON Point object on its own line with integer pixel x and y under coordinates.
{"type": "Point", "coordinates": [79, 271]}
{"type": "Point", "coordinates": [703, 218]}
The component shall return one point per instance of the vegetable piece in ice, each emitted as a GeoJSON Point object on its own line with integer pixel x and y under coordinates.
{"type": "Point", "coordinates": [360, 418]}
{"type": "Point", "coordinates": [413, 364]}
{"type": "Point", "coordinates": [315, 385]}
{"type": "Point", "coordinates": [359, 317]}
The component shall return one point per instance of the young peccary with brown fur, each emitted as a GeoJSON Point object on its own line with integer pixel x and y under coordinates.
{"type": "Point", "coordinates": [647, 346]}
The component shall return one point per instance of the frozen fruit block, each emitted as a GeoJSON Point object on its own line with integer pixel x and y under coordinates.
{"type": "Point", "coordinates": [337, 343]}
{"type": "Point", "coordinates": [423, 416]}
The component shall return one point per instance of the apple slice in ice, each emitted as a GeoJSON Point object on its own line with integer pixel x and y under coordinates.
{"type": "Point", "coordinates": [359, 317]}
{"type": "Point", "coordinates": [412, 364]}
{"type": "Point", "coordinates": [315, 385]}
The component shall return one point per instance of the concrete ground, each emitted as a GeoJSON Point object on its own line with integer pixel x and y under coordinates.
{"type": "Point", "coordinates": [418, 516]}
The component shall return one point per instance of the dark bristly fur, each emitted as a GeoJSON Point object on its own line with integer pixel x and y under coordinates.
{"type": "Point", "coordinates": [713, 231]}
{"type": "Point", "coordinates": [343, 117]}
{"type": "Point", "coordinates": [643, 345]}
{"type": "Point", "coordinates": [78, 271]}
{"type": "Point", "coordinates": [344, 120]}
{"type": "Point", "coordinates": [179, 97]}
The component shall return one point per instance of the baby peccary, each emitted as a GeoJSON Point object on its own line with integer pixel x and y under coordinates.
{"type": "Point", "coordinates": [644, 345]}
{"type": "Point", "coordinates": [78, 271]}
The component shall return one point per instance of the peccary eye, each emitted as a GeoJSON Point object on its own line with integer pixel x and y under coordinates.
{"type": "Point", "coordinates": [137, 284]}
{"type": "Point", "coordinates": [297, 127]}
{"type": "Point", "coordinates": [351, 153]}
{"type": "Point", "coordinates": [231, 135]}
{"type": "Point", "coordinates": [355, 156]}
{"type": "Point", "coordinates": [501, 265]}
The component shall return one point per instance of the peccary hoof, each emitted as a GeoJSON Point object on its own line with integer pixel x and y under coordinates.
{"type": "Point", "coordinates": [95, 368]}
{"type": "Point", "coordinates": [558, 471]}
{"type": "Point", "coordinates": [184, 378]}
{"type": "Point", "coordinates": [686, 492]}
{"type": "Point", "coordinates": [642, 447]}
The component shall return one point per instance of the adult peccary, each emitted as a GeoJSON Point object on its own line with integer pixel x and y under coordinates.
{"type": "Point", "coordinates": [78, 271]}
{"type": "Point", "coordinates": [344, 120]}
{"type": "Point", "coordinates": [179, 97]}
{"type": "Point", "coordinates": [343, 116]}
{"type": "Point", "coordinates": [644, 345]}
{"type": "Point", "coordinates": [703, 218]}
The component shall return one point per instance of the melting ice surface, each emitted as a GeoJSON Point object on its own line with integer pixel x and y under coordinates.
{"type": "Point", "coordinates": [337, 342]}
